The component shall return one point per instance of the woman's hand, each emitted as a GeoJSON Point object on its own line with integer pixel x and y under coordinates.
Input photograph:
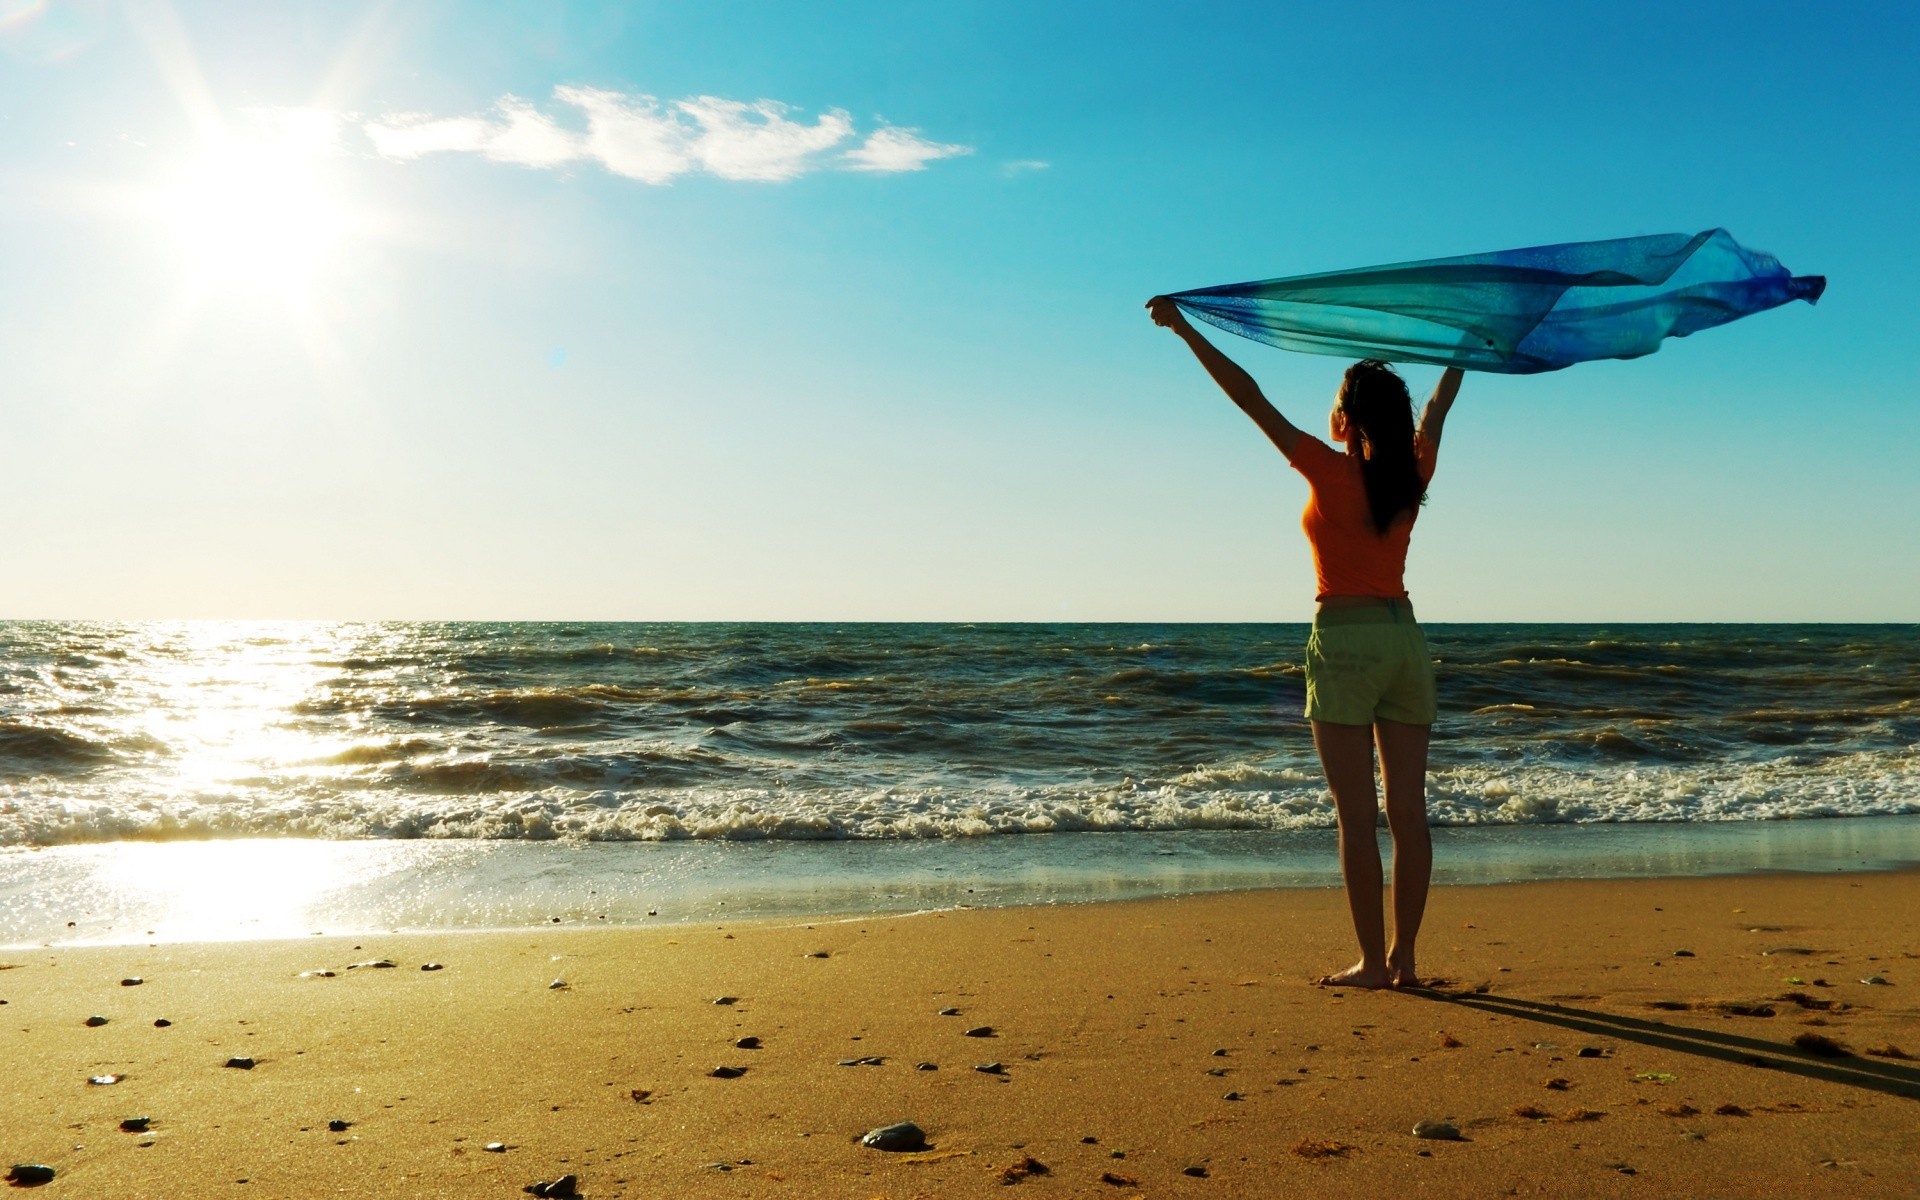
{"type": "Point", "coordinates": [1165, 313]}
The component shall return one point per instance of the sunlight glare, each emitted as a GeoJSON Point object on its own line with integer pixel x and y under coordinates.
{"type": "Point", "coordinates": [256, 213]}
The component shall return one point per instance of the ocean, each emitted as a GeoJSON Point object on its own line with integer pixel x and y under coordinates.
{"type": "Point", "coordinates": [796, 768]}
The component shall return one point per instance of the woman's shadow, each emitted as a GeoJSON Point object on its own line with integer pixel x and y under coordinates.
{"type": "Point", "coordinates": [1824, 1060]}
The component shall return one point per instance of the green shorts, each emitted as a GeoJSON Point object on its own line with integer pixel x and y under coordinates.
{"type": "Point", "coordinates": [1368, 663]}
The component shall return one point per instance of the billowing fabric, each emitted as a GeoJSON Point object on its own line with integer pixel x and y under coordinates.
{"type": "Point", "coordinates": [1515, 312]}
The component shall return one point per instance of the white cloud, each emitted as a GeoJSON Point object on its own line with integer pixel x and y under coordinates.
{"type": "Point", "coordinates": [409, 135]}
{"type": "Point", "coordinates": [630, 135]}
{"type": "Point", "coordinates": [756, 141]}
{"type": "Point", "coordinates": [1021, 166]}
{"type": "Point", "coordinates": [890, 149]}
{"type": "Point", "coordinates": [636, 136]}
{"type": "Point", "coordinates": [530, 138]}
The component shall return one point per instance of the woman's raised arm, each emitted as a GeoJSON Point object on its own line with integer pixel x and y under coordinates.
{"type": "Point", "coordinates": [1434, 418]}
{"type": "Point", "coordinates": [1235, 382]}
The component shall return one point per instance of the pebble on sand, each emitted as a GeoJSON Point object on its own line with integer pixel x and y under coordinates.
{"type": "Point", "coordinates": [558, 985]}
{"type": "Point", "coordinates": [871, 1060]}
{"type": "Point", "coordinates": [559, 1189]}
{"type": "Point", "coordinates": [981, 1031]}
{"type": "Point", "coordinates": [726, 999]}
{"type": "Point", "coordinates": [373, 962]}
{"type": "Point", "coordinates": [1028, 1165]}
{"type": "Point", "coordinates": [926, 1066]}
{"type": "Point", "coordinates": [433, 966]}
{"type": "Point", "coordinates": [104, 1080]}
{"type": "Point", "coordinates": [901, 1136]}
{"type": "Point", "coordinates": [724, 1072]}
{"type": "Point", "coordinates": [321, 973]}
{"type": "Point", "coordinates": [30, 1174]}
{"type": "Point", "coordinates": [495, 1147]}
{"type": "Point", "coordinates": [135, 1124]}
{"type": "Point", "coordinates": [1437, 1131]}
{"type": "Point", "coordinates": [132, 981]}
{"type": "Point", "coordinates": [162, 1023]}
{"type": "Point", "coordinates": [1197, 1171]}
{"type": "Point", "coordinates": [95, 1022]}
{"type": "Point", "coordinates": [747, 1043]}
{"type": "Point", "coordinates": [949, 1012]}
{"type": "Point", "coordinates": [338, 1126]}
{"type": "Point", "coordinates": [992, 1068]}
{"type": "Point", "coordinates": [240, 1063]}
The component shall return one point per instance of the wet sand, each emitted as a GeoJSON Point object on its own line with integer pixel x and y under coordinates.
{"type": "Point", "coordinates": [1575, 1049]}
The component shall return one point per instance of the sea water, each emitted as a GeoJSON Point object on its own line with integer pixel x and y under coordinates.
{"type": "Point", "coordinates": [425, 775]}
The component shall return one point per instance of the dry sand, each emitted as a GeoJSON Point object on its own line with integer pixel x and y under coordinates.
{"type": "Point", "coordinates": [1122, 1029]}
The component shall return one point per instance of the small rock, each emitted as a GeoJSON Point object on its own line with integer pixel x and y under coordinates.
{"type": "Point", "coordinates": [719, 1166]}
{"type": "Point", "coordinates": [135, 1124]}
{"type": "Point", "coordinates": [433, 966]}
{"type": "Point", "coordinates": [1219, 1054]}
{"type": "Point", "coordinates": [726, 1000]}
{"type": "Point", "coordinates": [558, 985]}
{"type": "Point", "coordinates": [727, 1072]}
{"type": "Point", "coordinates": [162, 1023]}
{"type": "Point", "coordinates": [980, 1031]}
{"type": "Point", "coordinates": [95, 1022]}
{"type": "Point", "coordinates": [903, 1136]}
{"type": "Point", "coordinates": [1876, 981]}
{"type": "Point", "coordinates": [563, 1188]}
{"type": "Point", "coordinates": [747, 1043]}
{"type": "Point", "coordinates": [1437, 1131]}
{"type": "Point", "coordinates": [640, 1095]}
{"type": "Point", "coordinates": [132, 981]}
{"type": "Point", "coordinates": [949, 1012]}
{"type": "Point", "coordinates": [320, 974]}
{"type": "Point", "coordinates": [495, 1147]}
{"type": "Point", "coordinates": [30, 1174]}
{"type": "Point", "coordinates": [338, 1126]}
{"type": "Point", "coordinates": [104, 1080]}
{"type": "Point", "coordinates": [240, 1063]}
{"type": "Point", "coordinates": [1592, 1052]}
{"type": "Point", "coordinates": [1218, 1072]}
{"type": "Point", "coordinates": [1233, 1096]}
{"type": "Point", "coordinates": [992, 1068]}
{"type": "Point", "coordinates": [1683, 954]}
{"type": "Point", "coordinates": [871, 1060]}
{"type": "Point", "coordinates": [926, 1066]}
{"type": "Point", "coordinates": [817, 954]}
{"type": "Point", "coordinates": [372, 962]}
{"type": "Point", "coordinates": [1197, 1171]}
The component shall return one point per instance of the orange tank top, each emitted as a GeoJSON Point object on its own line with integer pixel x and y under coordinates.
{"type": "Point", "coordinates": [1350, 557]}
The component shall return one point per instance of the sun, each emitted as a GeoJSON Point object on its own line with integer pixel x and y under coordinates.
{"type": "Point", "coordinates": [256, 212]}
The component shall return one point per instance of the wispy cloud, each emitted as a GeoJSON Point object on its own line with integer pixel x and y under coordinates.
{"type": "Point", "coordinates": [892, 149]}
{"type": "Point", "coordinates": [639, 137]}
{"type": "Point", "coordinates": [1021, 166]}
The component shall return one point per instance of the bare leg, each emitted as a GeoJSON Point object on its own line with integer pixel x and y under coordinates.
{"type": "Point", "coordinates": [1403, 761]}
{"type": "Point", "coordinates": [1346, 754]}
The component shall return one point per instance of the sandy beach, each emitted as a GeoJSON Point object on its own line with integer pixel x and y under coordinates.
{"type": "Point", "coordinates": [1620, 1038]}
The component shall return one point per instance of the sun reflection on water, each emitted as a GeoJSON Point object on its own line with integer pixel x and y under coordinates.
{"type": "Point", "coordinates": [211, 890]}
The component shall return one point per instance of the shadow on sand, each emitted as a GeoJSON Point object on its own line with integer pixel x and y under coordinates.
{"type": "Point", "coordinates": [1888, 1077]}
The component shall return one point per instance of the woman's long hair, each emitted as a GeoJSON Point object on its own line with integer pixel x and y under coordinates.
{"type": "Point", "coordinates": [1380, 427]}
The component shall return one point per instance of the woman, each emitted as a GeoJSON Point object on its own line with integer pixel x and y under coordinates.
{"type": "Point", "coordinates": [1369, 677]}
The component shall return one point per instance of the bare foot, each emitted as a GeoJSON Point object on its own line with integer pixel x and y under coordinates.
{"type": "Point", "coordinates": [1400, 972]}
{"type": "Point", "coordinates": [1358, 975]}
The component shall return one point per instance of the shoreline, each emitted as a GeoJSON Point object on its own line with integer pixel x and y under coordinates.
{"type": "Point", "coordinates": [219, 890]}
{"type": "Point", "coordinates": [1105, 1019]}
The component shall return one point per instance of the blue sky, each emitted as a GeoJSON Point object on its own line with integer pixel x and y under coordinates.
{"type": "Point", "coordinates": [481, 311]}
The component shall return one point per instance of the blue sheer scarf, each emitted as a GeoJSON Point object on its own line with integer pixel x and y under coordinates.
{"type": "Point", "coordinates": [1513, 311]}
